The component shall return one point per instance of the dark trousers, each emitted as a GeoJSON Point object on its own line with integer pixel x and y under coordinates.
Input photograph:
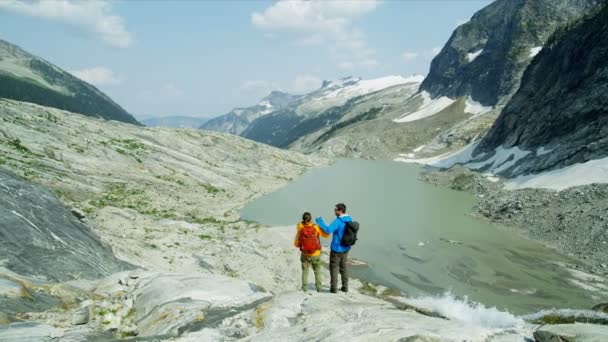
{"type": "Point", "coordinates": [337, 261]}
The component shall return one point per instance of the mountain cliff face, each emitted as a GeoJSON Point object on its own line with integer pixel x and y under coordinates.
{"type": "Point", "coordinates": [486, 57]}
{"type": "Point", "coordinates": [239, 119]}
{"type": "Point", "coordinates": [316, 110]}
{"type": "Point", "coordinates": [559, 116]}
{"type": "Point", "coordinates": [25, 77]}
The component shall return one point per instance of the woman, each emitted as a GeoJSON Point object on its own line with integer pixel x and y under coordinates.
{"type": "Point", "coordinates": [307, 240]}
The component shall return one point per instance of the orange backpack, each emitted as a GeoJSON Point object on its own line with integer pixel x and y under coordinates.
{"type": "Point", "coordinates": [309, 240]}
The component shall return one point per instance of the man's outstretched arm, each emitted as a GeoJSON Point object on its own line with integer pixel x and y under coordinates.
{"type": "Point", "coordinates": [328, 229]}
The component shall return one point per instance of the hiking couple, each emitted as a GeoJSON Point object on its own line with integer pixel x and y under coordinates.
{"type": "Point", "coordinates": [307, 239]}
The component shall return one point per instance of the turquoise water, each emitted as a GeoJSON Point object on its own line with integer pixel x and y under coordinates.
{"type": "Point", "coordinates": [421, 239]}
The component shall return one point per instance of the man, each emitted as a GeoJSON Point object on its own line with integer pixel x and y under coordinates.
{"type": "Point", "coordinates": [339, 254]}
{"type": "Point", "coordinates": [307, 240]}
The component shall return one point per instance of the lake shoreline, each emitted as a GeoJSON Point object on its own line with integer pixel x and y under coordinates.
{"type": "Point", "coordinates": [543, 216]}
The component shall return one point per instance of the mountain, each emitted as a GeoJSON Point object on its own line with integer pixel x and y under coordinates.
{"type": "Point", "coordinates": [486, 57]}
{"type": "Point", "coordinates": [238, 119]}
{"type": "Point", "coordinates": [316, 110]}
{"type": "Point", "coordinates": [559, 116]}
{"type": "Point", "coordinates": [25, 77]}
{"type": "Point", "coordinates": [174, 121]}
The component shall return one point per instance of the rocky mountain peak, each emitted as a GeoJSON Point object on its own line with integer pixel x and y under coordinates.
{"type": "Point", "coordinates": [486, 57]}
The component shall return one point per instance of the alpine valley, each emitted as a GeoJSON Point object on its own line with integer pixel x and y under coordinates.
{"type": "Point", "coordinates": [111, 230]}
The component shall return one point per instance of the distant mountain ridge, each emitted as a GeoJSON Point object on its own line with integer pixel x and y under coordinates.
{"type": "Point", "coordinates": [238, 119]}
{"type": "Point", "coordinates": [25, 77]}
{"type": "Point", "coordinates": [316, 110]}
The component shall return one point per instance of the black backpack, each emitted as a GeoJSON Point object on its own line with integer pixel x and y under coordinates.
{"type": "Point", "coordinates": [349, 238]}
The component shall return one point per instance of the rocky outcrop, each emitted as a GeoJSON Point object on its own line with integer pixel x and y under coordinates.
{"type": "Point", "coordinates": [576, 332]}
{"type": "Point", "coordinates": [237, 120]}
{"type": "Point", "coordinates": [560, 113]}
{"type": "Point", "coordinates": [25, 77]}
{"type": "Point", "coordinates": [486, 57]}
{"type": "Point", "coordinates": [40, 237]}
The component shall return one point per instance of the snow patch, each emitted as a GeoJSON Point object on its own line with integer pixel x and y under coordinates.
{"type": "Point", "coordinates": [265, 103]}
{"type": "Point", "coordinates": [428, 108]}
{"type": "Point", "coordinates": [470, 313]}
{"type": "Point", "coordinates": [473, 55]}
{"type": "Point", "coordinates": [362, 87]}
{"type": "Point", "coordinates": [502, 159]}
{"type": "Point", "coordinates": [542, 151]}
{"type": "Point", "coordinates": [445, 160]}
{"type": "Point", "coordinates": [534, 51]}
{"type": "Point", "coordinates": [593, 171]}
{"type": "Point", "coordinates": [473, 107]}
{"type": "Point", "coordinates": [419, 148]}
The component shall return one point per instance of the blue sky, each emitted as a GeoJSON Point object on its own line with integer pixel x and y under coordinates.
{"type": "Point", "coordinates": [202, 58]}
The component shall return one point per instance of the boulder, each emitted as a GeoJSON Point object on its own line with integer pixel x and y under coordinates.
{"type": "Point", "coordinates": [577, 332]}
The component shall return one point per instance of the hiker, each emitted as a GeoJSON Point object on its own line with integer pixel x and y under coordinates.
{"type": "Point", "coordinates": [307, 239]}
{"type": "Point", "coordinates": [339, 252]}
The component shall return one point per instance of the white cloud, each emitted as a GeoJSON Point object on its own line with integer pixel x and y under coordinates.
{"type": "Point", "coordinates": [98, 76]}
{"type": "Point", "coordinates": [305, 84]}
{"type": "Point", "coordinates": [171, 91]}
{"type": "Point", "coordinates": [316, 22]}
{"type": "Point", "coordinates": [409, 56]}
{"type": "Point", "coordinates": [94, 16]}
{"type": "Point", "coordinates": [436, 50]}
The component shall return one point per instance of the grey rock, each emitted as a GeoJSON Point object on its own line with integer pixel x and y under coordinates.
{"type": "Point", "coordinates": [82, 315]}
{"type": "Point", "coordinates": [577, 332]}
{"type": "Point", "coordinates": [601, 307]}
{"type": "Point", "coordinates": [421, 338]}
{"type": "Point", "coordinates": [561, 104]}
{"type": "Point", "coordinates": [40, 237]}
{"type": "Point", "coordinates": [504, 32]}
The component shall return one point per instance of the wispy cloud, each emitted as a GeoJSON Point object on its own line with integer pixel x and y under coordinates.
{"type": "Point", "coordinates": [315, 22]}
{"type": "Point", "coordinates": [305, 83]}
{"type": "Point", "coordinates": [409, 56]}
{"type": "Point", "coordinates": [301, 84]}
{"type": "Point", "coordinates": [93, 16]}
{"type": "Point", "coordinates": [98, 76]}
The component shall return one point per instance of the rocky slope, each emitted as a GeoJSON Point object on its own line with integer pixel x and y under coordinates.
{"type": "Point", "coordinates": [237, 120]}
{"type": "Point", "coordinates": [559, 115]}
{"type": "Point", "coordinates": [174, 121]}
{"type": "Point", "coordinates": [25, 77]}
{"type": "Point", "coordinates": [316, 110]}
{"type": "Point", "coordinates": [486, 57]}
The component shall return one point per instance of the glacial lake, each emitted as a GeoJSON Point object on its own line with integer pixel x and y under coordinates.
{"type": "Point", "coordinates": [421, 239]}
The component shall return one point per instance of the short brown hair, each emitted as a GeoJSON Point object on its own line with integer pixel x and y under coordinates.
{"type": "Point", "coordinates": [341, 207]}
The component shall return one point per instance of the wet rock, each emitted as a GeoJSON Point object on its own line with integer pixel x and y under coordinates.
{"type": "Point", "coordinates": [601, 307]}
{"type": "Point", "coordinates": [577, 332]}
{"type": "Point", "coordinates": [421, 338]}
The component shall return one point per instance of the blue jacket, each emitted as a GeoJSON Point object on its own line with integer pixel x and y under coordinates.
{"type": "Point", "coordinates": [337, 228]}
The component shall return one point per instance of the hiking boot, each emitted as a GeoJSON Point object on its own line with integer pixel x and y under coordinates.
{"type": "Point", "coordinates": [344, 289]}
{"type": "Point", "coordinates": [333, 290]}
